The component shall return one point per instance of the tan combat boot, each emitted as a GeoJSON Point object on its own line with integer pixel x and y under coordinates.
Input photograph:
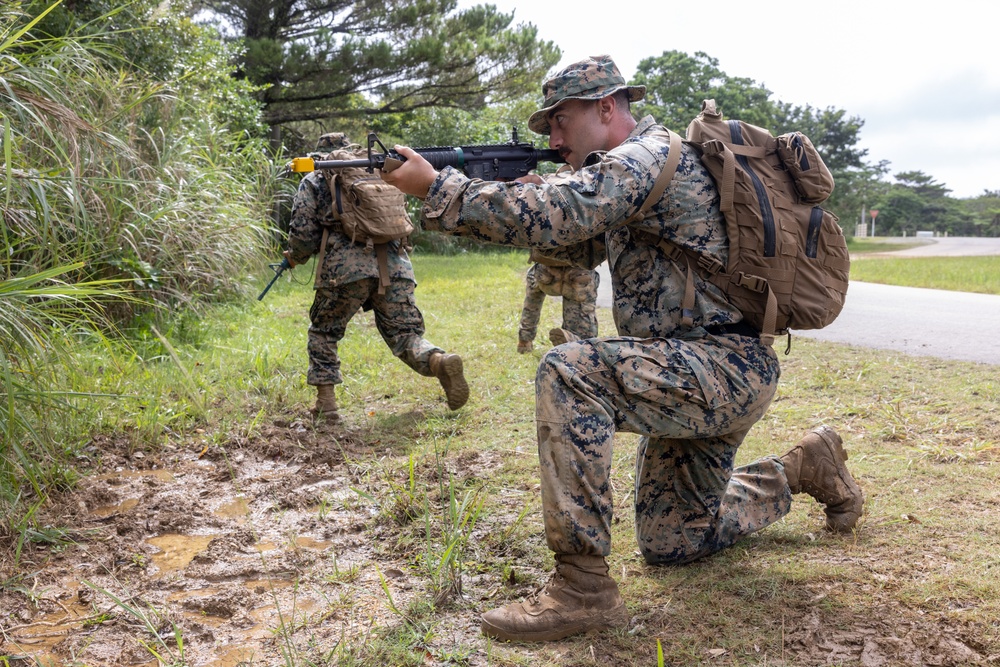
{"type": "Point", "coordinates": [326, 403]}
{"type": "Point", "coordinates": [816, 466]}
{"type": "Point", "coordinates": [580, 597]}
{"type": "Point", "coordinates": [524, 346]}
{"type": "Point", "coordinates": [559, 336]}
{"type": "Point", "coordinates": [447, 368]}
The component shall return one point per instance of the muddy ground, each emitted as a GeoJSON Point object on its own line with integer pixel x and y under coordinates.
{"type": "Point", "coordinates": [260, 552]}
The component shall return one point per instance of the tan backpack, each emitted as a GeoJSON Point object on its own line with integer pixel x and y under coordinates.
{"type": "Point", "coordinates": [368, 210]}
{"type": "Point", "coordinates": [788, 263]}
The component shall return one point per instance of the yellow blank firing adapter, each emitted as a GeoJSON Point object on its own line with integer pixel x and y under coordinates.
{"type": "Point", "coordinates": [302, 164]}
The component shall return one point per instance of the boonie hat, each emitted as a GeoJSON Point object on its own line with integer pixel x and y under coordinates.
{"type": "Point", "coordinates": [590, 79]}
{"type": "Point", "coordinates": [332, 141]}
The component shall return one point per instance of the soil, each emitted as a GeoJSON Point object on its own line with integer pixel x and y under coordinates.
{"type": "Point", "coordinates": [260, 549]}
{"type": "Point", "coordinates": [243, 551]}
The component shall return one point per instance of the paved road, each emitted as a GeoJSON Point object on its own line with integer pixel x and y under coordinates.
{"type": "Point", "coordinates": [922, 322]}
{"type": "Point", "coordinates": [944, 247]}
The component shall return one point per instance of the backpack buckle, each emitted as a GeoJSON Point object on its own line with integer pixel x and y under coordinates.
{"type": "Point", "coordinates": [709, 264]}
{"type": "Point", "coordinates": [752, 283]}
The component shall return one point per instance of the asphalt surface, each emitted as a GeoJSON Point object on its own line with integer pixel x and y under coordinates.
{"type": "Point", "coordinates": [915, 321]}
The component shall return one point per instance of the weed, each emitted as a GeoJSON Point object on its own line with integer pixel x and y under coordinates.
{"type": "Point", "coordinates": [157, 626]}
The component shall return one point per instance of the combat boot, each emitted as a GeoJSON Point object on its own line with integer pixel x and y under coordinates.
{"type": "Point", "coordinates": [447, 368]}
{"type": "Point", "coordinates": [524, 346]}
{"type": "Point", "coordinates": [326, 403]}
{"type": "Point", "coordinates": [580, 597]}
{"type": "Point", "coordinates": [559, 336]}
{"type": "Point", "coordinates": [816, 466]}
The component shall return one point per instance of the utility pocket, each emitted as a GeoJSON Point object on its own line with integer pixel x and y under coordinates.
{"type": "Point", "coordinates": [813, 181]}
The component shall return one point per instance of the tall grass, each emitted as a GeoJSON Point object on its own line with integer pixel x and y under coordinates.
{"type": "Point", "coordinates": [128, 174]}
{"type": "Point", "coordinates": [124, 196]}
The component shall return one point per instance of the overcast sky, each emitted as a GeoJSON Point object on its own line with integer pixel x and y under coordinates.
{"type": "Point", "coordinates": [924, 77]}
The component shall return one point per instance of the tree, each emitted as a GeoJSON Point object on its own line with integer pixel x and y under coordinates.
{"type": "Point", "coordinates": [342, 59]}
{"type": "Point", "coordinates": [986, 210]}
{"type": "Point", "coordinates": [156, 42]}
{"type": "Point", "coordinates": [677, 83]}
{"type": "Point", "coordinates": [917, 202]}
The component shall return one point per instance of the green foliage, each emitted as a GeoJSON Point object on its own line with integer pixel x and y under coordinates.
{"type": "Point", "coordinates": [676, 83]}
{"type": "Point", "coordinates": [916, 202]}
{"type": "Point", "coordinates": [134, 175]}
{"type": "Point", "coordinates": [345, 59]}
{"type": "Point", "coordinates": [986, 210]}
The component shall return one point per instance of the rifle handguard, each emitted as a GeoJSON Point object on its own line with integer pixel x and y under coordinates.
{"type": "Point", "coordinates": [391, 164]}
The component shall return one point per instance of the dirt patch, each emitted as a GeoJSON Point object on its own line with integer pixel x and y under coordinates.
{"type": "Point", "coordinates": [235, 550]}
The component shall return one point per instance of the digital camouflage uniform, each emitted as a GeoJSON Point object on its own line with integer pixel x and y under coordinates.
{"type": "Point", "coordinates": [691, 394]}
{"type": "Point", "coordinates": [348, 280]}
{"type": "Point", "coordinates": [578, 289]}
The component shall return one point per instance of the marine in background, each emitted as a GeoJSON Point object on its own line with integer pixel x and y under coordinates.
{"type": "Point", "coordinates": [550, 276]}
{"type": "Point", "coordinates": [347, 279]}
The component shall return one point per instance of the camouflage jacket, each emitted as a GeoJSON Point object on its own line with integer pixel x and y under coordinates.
{"type": "Point", "coordinates": [587, 213]}
{"type": "Point", "coordinates": [345, 261]}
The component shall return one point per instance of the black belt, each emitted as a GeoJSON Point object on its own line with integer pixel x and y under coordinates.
{"type": "Point", "coordinates": [739, 329]}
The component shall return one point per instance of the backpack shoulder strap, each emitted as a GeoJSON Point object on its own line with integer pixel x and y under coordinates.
{"type": "Point", "coordinates": [666, 175]}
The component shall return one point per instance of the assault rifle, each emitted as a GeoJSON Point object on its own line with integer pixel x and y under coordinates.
{"type": "Point", "coordinates": [489, 162]}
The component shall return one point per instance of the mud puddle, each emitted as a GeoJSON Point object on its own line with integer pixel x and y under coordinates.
{"type": "Point", "coordinates": [244, 557]}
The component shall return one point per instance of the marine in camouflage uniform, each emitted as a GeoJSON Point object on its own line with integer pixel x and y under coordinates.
{"type": "Point", "coordinates": [691, 392]}
{"type": "Point", "coordinates": [578, 289]}
{"type": "Point", "coordinates": [348, 279]}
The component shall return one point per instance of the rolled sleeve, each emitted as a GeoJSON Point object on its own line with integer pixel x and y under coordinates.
{"type": "Point", "coordinates": [443, 206]}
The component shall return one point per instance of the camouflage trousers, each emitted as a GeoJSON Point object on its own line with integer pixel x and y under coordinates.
{"type": "Point", "coordinates": [396, 317]}
{"type": "Point", "coordinates": [692, 400]}
{"type": "Point", "coordinates": [579, 314]}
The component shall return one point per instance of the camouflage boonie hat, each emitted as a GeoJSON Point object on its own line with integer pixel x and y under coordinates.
{"type": "Point", "coordinates": [332, 141]}
{"type": "Point", "coordinates": [590, 79]}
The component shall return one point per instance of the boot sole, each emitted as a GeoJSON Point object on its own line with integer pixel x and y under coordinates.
{"type": "Point", "coordinates": [836, 445]}
{"type": "Point", "coordinates": [458, 393]}
{"type": "Point", "coordinates": [331, 417]}
{"type": "Point", "coordinates": [606, 620]}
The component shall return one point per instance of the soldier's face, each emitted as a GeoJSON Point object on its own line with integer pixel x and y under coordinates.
{"type": "Point", "coordinates": [577, 130]}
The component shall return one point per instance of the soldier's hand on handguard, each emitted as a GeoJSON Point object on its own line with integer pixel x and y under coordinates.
{"type": "Point", "coordinates": [414, 176]}
{"type": "Point", "coordinates": [534, 179]}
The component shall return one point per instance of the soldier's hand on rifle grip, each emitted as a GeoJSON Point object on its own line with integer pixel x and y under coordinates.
{"type": "Point", "coordinates": [287, 255]}
{"type": "Point", "coordinates": [414, 176]}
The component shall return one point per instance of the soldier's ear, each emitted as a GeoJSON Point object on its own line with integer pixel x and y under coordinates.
{"type": "Point", "coordinates": [606, 107]}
